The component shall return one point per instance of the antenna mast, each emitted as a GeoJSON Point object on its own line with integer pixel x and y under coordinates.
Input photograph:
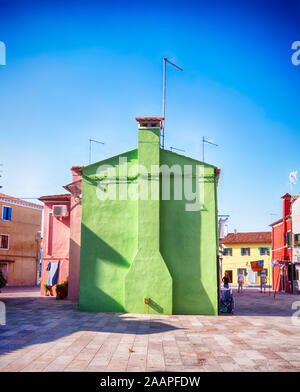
{"type": "Point", "coordinates": [90, 151]}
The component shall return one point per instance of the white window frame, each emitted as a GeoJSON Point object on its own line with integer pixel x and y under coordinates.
{"type": "Point", "coordinates": [7, 242]}
{"type": "Point", "coordinates": [5, 220]}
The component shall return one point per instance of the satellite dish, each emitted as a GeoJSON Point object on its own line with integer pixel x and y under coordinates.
{"type": "Point", "coordinates": [293, 177]}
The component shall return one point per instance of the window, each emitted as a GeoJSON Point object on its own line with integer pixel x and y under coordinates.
{"type": "Point", "coordinates": [227, 252]}
{"type": "Point", "coordinates": [245, 251]}
{"type": "Point", "coordinates": [6, 213]}
{"type": "Point", "coordinates": [264, 251]}
{"type": "Point", "coordinates": [297, 240]}
{"type": "Point", "coordinates": [4, 240]}
{"type": "Point", "coordinates": [288, 239]}
{"type": "Point", "coordinates": [266, 272]}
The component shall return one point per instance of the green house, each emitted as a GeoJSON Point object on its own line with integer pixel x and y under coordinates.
{"type": "Point", "coordinates": [149, 235]}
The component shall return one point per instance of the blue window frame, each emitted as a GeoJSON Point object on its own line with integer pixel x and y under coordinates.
{"type": "Point", "coordinates": [6, 213]}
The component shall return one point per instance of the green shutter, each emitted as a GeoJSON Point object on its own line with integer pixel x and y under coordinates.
{"type": "Point", "coordinates": [249, 251]}
{"type": "Point", "coordinates": [242, 251]}
{"type": "Point", "coordinates": [288, 238]}
{"type": "Point", "coordinates": [260, 251]}
{"type": "Point", "coordinates": [230, 251]}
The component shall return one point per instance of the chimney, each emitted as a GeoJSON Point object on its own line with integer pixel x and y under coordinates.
{"type": "Point", "coordinates": [287, 201]}
{"type": "Point", "coordinates": [148, 277]}
{"type": "Point", "coordinates": [76, 173]}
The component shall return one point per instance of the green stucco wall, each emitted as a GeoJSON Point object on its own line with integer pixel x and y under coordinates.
{"type": "Point", "coordinates": [137, 249]}
{"type": "Point", "coordinates": [188, 243]}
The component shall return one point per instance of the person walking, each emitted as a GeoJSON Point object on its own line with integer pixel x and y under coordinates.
{"type": "Point", "coordinates": [263, 280]}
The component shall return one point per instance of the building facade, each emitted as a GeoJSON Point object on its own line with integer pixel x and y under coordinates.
{"type": "Point", "coordinates": [240, 249]}
{"type": "Point", "coordinates": [62, 233]}
{"type": "Point", "coordinates": [20, 238]}
{"type": "Point", "coordinates": [143, 254]}
{"type": "Point", "coordinates": [285, 252]}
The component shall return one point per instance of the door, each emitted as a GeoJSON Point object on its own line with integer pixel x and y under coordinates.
{"type": "Point", "coordinates": [4, 269]}
{"type": "Point", "coordinates": [229, 274]}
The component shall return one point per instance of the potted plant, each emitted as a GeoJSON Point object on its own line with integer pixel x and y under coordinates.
{"type": "Point", "coordinates": [62, 290]}
{"type": "Point", "coordinates": [48, 289]}
{"type": "Point", "coordinates": [2, 280]}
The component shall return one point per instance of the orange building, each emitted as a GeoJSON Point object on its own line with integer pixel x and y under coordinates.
{"type": "Point", "coordinates": [20, 239]}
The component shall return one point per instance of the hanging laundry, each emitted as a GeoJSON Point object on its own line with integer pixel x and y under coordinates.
{"type": "Point", "coordinates": [260, 263]}
{"type": "Point", "coordinates": [53, 274]}
{"type": "Point", "coordinates": [251, 277]}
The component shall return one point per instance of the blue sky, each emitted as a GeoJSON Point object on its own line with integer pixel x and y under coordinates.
{"type": "Point", "coordinates": [82, 69]}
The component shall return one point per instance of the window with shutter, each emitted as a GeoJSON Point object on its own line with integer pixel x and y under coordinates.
{"type": "Point", "coordinates": [6, 213]}
{"type": "Point", "coordinates": [4, 239]}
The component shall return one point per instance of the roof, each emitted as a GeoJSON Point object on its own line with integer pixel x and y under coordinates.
{"type": "Point", "coordinates": [262, 237]}
{"type": "Point", "coordinates": [2, 195]}
{"type": "Point", "coordinates": [63, 197]}
{"type": "Point", "coordinates": [280, 220]}
{"type": "Point", "coordinates": [73, 186]}
{"type": "Point", "coordinates": [149, 120]}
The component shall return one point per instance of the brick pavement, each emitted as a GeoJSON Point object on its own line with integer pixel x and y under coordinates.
{"type": "Point", "coordinates": [44, 334]}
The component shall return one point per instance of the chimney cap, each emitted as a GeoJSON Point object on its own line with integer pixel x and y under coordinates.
{"type": "Point", "coordinates": [149, 121]}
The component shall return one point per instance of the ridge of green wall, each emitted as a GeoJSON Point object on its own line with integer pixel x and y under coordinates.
{"type": "Point", "coordinates": [148, 276]}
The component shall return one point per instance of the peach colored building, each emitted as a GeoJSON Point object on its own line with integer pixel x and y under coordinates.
{"type": "Point", "coordinates": [20, 238]}
{"type": "Point", "coordinates": [62, 233]}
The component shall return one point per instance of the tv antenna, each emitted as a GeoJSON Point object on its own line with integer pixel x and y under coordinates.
{"type": "Point", "coordinates": [164, 95]}
{"type": "Point", "coordinates": [177, 149]}
{"type": "Point", "coordinates": [90, 152]}
{"type": "Point", "coordinates": [208, 142]}
{"type": "Point", "coordinates": [293, 179]}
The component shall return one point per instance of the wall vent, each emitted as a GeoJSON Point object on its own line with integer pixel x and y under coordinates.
{"type": "Point", "coordinates": [60, 210]}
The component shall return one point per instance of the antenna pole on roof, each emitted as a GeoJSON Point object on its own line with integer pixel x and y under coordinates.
{"type": "Point", "coordinates": [90, 152]}
{"type": "Point", "coordinates": [165, 61]}
{"type": "Point", "coordinates": [206, 141]}
{"type": "Point", "coordinates": [177, 149]}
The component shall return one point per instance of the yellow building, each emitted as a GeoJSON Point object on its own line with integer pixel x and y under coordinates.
{"type": "Point", "coordinates": [239, 249]}
{"type": "Point", "coordinates": [20, 238]}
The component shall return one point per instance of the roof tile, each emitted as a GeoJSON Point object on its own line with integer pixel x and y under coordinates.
{"type": "Point", "coordinates": [244, 238]}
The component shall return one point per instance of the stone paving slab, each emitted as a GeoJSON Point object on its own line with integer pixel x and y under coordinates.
{"type": "Point", "coordinates": [44, 334]}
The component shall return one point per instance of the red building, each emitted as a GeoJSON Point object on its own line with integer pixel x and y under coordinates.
{"type": "Point", "coordinates": [283, 268]}
{"type": "Point", "coordinates": [62, 235]}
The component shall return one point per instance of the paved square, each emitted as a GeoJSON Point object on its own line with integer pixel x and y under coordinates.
{"type": "Point", "coordinates": [45, 334]}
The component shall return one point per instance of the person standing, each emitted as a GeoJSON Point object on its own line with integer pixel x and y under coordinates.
{"type": "Point", "coordinates": [226, 281]}
{"type": "Point", "coordinates": [263, 279]}
{"type": "Point", "coordinates": [240, 282]}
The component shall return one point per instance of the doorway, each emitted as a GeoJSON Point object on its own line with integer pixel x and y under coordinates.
{"type": "Point", "coordinates": [4, 269]}
{"type": "Point", "coordinates": [229, 274]}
